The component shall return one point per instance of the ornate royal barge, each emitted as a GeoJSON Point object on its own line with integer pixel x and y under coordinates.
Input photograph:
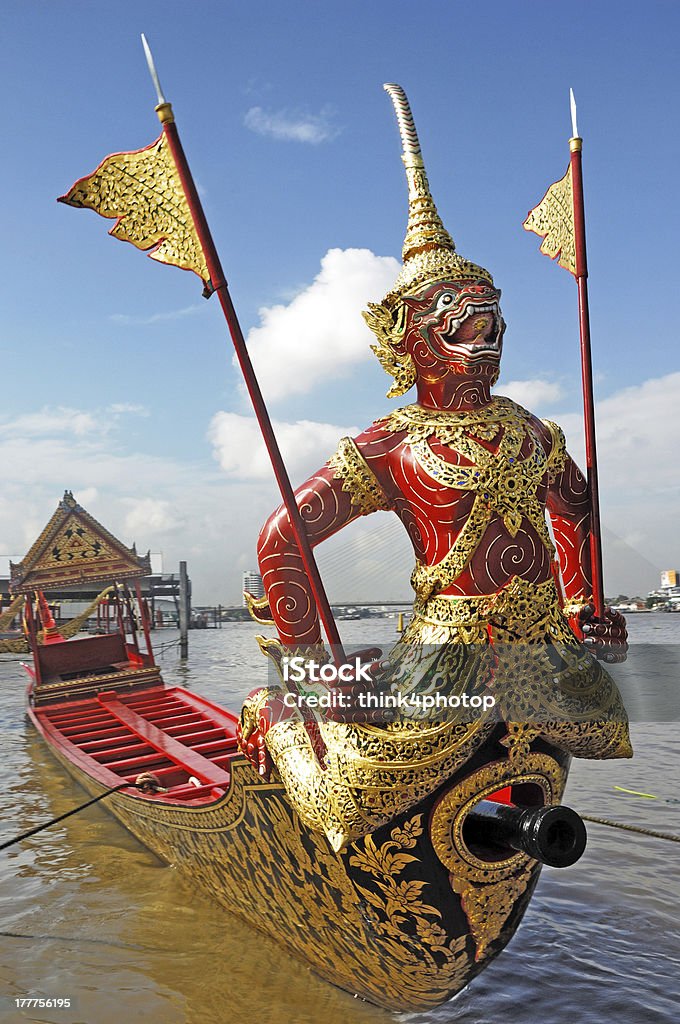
{"type": "Point", "coordinates": [404, 917]}
{"type": "Point", "coordinates": [394, 856]}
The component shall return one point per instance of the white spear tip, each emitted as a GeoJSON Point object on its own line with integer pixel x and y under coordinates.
{"type": "Point", "coordinates": [572, 104]}
{"type": "Point", "coordinates": [152, 70]}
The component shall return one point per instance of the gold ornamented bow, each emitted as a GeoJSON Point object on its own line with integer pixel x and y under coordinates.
{"type": "Point", "coordinates": [143, 191]}
{"type": "Point", "coordinates": [553, 221]}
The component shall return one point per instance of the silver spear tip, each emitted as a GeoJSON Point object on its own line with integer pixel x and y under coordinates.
{"type": "Point", "coordinates": [152, 71]}
{"type": "Point", "coordinates": [572, 104]}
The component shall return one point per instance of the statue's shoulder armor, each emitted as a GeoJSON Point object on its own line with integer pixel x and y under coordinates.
{"type": "Point", "coordinates": [557, 453]}
{"type": "Point", "coordinates": [381, 437]}
{"type": "Point", "coordinates": [360, 464]}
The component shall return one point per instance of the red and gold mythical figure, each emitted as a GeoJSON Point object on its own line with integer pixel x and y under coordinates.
{"type": "Point", "coordinates": [471, 475]}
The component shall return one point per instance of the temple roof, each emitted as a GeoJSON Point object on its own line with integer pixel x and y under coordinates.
{"type": "Point", "coordinates": [74, 548]}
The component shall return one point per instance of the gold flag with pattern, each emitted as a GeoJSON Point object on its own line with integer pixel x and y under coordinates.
{"type": "Point", "coordinates": [143, 191]}
{"type": "Point", "coordinates": [553, 221]}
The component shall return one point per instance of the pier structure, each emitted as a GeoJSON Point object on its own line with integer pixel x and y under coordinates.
{"type": "Point", "coordinates": [160, 590]}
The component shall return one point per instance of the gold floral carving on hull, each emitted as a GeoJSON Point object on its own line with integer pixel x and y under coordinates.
{"type": "Point", "coordinates": [250, 850]}
{"type": "Point", "coordinates": [489, 890]}
{"type": "Point", "coordinates": [373, 773]}
{"type": "Point", "coordinates": [394, 902]}
{"type": "Point", "coordinates": [143, 191]}
{"type": "Point", "coordinates": [358, 480]}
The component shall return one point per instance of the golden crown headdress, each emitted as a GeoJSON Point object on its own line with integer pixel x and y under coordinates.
{"type": "Point", "coordinates": [429, 251]}
{"type": "Point", "coordinates": [429, 254]}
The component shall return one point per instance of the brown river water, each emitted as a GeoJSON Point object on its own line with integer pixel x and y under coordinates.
{"type": "Point", "coordinates": [88, 914]}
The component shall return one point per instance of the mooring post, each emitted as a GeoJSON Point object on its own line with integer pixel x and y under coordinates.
{"type": "Point", "coordinates": [184, 600]}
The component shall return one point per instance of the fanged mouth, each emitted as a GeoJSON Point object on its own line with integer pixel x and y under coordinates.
{"type": "Point", "coordinates": [472, 349]}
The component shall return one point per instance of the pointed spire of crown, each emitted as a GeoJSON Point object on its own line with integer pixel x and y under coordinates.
{"type": "Point", "coordinates": [425, 230]}
{"type": "Point", "coordinates": [429, 251]}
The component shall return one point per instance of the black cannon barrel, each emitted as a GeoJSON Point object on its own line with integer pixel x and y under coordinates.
{"type": "Point", "coordinates": [554, 835]}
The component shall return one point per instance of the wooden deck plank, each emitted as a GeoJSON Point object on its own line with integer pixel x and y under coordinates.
{"type": "Point", "coordinates": [184, 757]}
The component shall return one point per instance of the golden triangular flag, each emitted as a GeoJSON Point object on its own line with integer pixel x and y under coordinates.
{"type": "Point", "coordinates": [553, 221]}
{"type": "Point", "coordinates": [143, 191]}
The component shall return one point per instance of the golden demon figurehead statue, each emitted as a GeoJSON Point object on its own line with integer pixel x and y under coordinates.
{"type": "Point", "coordinates": [436, 290]}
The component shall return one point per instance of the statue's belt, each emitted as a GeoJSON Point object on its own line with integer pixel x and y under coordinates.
{"type": "Point", "coordinates": [515, 611]}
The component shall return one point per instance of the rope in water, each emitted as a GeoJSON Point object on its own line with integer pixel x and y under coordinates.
{"type": "Point", "coordinates": [633, 828]}
{"type": "Point", "coordinates": [147, 782]}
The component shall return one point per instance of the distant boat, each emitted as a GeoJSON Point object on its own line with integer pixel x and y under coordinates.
{"type": "Point", "coordinates": [629, 609]}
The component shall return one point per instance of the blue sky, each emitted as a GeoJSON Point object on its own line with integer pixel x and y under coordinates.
{"type": "Point", "coordinates": [118, 378]}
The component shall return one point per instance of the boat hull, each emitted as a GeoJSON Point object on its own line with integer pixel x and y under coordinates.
{"type": "Point", "coordinates": [404, 918]}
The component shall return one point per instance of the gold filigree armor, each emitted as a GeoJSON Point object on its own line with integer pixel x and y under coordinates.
{"type": "Point", "coordinates": [505, 483]}
{"type": "Point", "coordinates": [544, 681]}
{"type": "Point", "coordinates": [358, 480]}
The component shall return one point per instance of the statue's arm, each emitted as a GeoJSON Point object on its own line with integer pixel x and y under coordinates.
{"type": "Point", "coordinates": [341, 491]}
{"type": "Point", "coordinates": [568, 506]}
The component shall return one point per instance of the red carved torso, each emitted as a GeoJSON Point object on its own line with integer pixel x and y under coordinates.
{"type": "Point", "coordinates": [435, 515]}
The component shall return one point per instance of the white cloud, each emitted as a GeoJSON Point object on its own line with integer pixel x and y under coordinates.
{"type": "Point", "coordinates": [59, 420]}
{"type": "Point", "coordinates": [125, 408]}
{"type": "Point", "coordinates": [86, 496]}
{"type": "Point", "coordinates": [532, 394]}
{"type": "Point", "coordinates": [240, 450]}
{"type": "Point", "coordinates": [292, 126]}
{"type": "Point", "coordinates": [212, 518]}
{"type": "Point", "coordinates": [638, 439]}
{"type": "Point", "coordinates": [155, 501]}
{"type": "Point", "coordinates": [320, 334]}
{"type": "Point", "coordinates": [125, 319]}
{"type": "Point", "coordinates": [151, 516]}
{"type": "Point", "coordinates": [54, 422]}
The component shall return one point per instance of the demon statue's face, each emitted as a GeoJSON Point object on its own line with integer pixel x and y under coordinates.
{"type": "Point", "coordinates": [454, 328]}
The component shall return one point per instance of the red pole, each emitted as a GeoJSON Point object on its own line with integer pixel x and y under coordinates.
{"type": "Point", "coordinates": [575, 145]}
{"type": "Point", "coordinates": [219, 285]}
{"type": "Point", "coordinates": [32, 638]}
{"type": "Point", "coordinates": [145, 618]}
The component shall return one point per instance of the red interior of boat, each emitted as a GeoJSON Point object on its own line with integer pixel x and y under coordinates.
{"type": "Point", "coordinates": [186, 741]}
{"type": "Point", "coordinates": [88, 655]}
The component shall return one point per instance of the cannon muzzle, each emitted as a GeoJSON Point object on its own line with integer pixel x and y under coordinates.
{"type": "Point", "coordinates": [554, 835]}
